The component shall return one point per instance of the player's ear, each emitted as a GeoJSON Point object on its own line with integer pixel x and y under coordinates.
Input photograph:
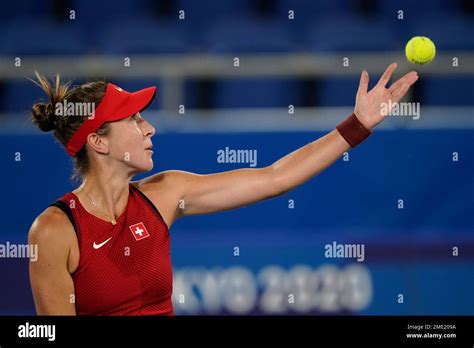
{"type": "Point", "coordinates": [98, 143]}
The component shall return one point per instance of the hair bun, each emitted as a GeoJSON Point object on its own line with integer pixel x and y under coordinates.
{"type": "Point", "coordinates": [44, 117]}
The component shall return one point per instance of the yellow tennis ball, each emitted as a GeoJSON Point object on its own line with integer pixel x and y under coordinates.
{"type": "Point", "coordinates": [420, 50]}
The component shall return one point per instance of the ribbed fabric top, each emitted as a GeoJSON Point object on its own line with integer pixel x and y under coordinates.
{"type": "Point", "coordinates": [124, 269]}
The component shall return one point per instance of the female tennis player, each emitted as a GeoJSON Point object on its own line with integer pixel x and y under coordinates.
{"type": "Point", "coordinates": [104, 248]}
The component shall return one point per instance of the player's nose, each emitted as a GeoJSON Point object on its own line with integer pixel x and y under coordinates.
{"type": "Point", "coordinates": [147, 129]}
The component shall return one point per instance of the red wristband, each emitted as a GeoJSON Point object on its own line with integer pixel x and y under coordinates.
{"type": "Point", "coordinates": [353, 131]}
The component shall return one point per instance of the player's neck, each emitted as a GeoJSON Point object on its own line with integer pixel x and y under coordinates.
{"type": "Point", "coordinates": [107, 189]}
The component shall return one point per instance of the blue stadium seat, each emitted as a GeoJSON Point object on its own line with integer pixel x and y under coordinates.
{"type": "Point", "coordinates": [95, 17]}
{"type": "Point", "coordinates": [253, 92]}
{"type": "Point", "coordinates": [143, 37]}
{"type": "Point", "coordinates": [309, 12]}
{"type": "Point", "coordinates": [105, 10]}
{"type": "Point", "coordinates": [454, 33]}
{"type": "Point", "coordinates": [18, 96]}
{"type": "Point", "coordinates": [447, 91]}
{"type": "Point", "coordinates": [249, 35]}
{"type": "Point", "coordinates": [17, 8]}
{"type": "Point", "coordinates": [312, 8]}
{"type": "Point", "coordinates": [203, 14]}
{"type": "Point", "coordinates": [336, 91]}
{"type": "Point", "coordinates": [32, 36]}
{"type": "Point", "coordinates": [245, 35]}
{"type": "Point", "coordinates": [205, 10]}
{"type": "Point", "coordinates": [352, 35]}
{"type": "Point", "coordinates": [413, 10]}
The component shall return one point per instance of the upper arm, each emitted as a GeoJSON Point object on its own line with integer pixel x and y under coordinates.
{"type": "Point", "coordinates": [51, 282]}
{"type": "Point", "coordinates": [202, 194]}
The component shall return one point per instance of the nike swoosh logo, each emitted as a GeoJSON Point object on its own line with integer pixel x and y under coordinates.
{"type": "Point", "coordinates": [97, 246]}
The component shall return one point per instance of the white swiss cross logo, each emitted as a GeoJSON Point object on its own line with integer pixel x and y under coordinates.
{"type": "Point", "coordinates": [139, 231]}
{"type": "Point", "coordinates": [119, 89]}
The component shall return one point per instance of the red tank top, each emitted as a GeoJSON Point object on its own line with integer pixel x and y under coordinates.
{"type": "Point", "coordinates": [124, 269]}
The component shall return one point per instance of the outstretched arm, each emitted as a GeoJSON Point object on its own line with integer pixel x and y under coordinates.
{"type": "Point", "coordinates": [201, 194]}
{"type": "Point", "coordinates": [308, 161]}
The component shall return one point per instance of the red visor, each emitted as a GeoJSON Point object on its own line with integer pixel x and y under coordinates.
{"type": "Point", "coordinates": [117, 104]}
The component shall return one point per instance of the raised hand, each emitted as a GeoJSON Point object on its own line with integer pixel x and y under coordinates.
{"type": "Point", "coordinates": [369, 107]}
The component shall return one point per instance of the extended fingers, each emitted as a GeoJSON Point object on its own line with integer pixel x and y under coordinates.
{"type": "Point", "coordinates": [364, 82]}
{"type": "Point", "coordinates": [409, 78]}
{"type": "Point", "coordinates": [387, 74]}
{"type": "Point", "coordinates": [400, 92]}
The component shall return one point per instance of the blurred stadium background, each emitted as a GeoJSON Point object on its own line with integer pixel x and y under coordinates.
{"type": "Point", "coordinates": [290, 88]}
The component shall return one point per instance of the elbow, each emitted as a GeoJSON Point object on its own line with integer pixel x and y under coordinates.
{"type": "Point", "coordinates": [278, 184]}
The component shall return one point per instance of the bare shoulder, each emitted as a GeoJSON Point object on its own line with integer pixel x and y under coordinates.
{"type": "Point", "coordinates": [52, 230]}
{"type": "Point", "coordinates": [58, 256]}
{"type": "Point", "coordinates": [169, 182]}
{"type": "Point", "coordinates": [164, 178]}
{"type": "Point", "coordinates": [165, 190]}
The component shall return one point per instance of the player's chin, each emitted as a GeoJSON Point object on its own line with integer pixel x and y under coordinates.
{"type": "Point", "coordinates": [142, 166]}
{"type": "Point", "coordinates": [147, 164]}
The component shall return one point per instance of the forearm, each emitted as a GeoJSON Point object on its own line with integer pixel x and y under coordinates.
{"type": "Point", "coordinates": [221, 191]}
{"type": "Point", "coordinates": [301, 165]}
